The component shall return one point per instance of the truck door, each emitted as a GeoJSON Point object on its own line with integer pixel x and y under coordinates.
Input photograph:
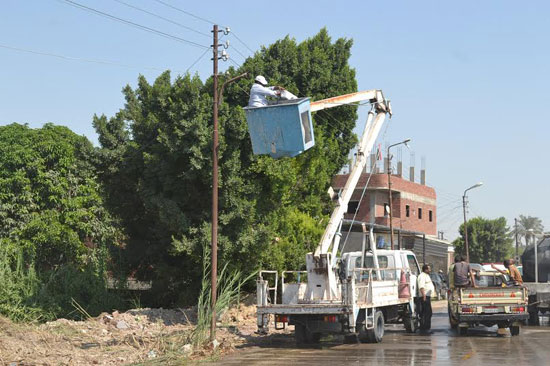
{"type": "Point", "coordinates": [409, 260]}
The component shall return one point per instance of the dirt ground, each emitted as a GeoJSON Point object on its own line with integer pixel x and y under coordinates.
{"type": "Point", "coordinates": [135, 337]}
{"type": "Point", "coordinates": [140, 336]}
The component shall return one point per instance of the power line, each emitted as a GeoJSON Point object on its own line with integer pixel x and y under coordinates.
{"type": "Point", "coordinates": [163, 18]}
{"type": "Point", "coordinates": [70, 58]}
{"type": "Point", "coordinates": [244, 44]}
{"type": "Point", "coordinates": [239, 52]}
{"type": "Point", "coordinates": [127, 22]}
{"type": "Point", "coordinates": [186, 12]}
{"type": "Point", "coordinates": [198, 59]}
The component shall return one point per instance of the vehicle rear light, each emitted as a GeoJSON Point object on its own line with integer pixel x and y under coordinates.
{"type": "Point", "coordinates": [518, 309]}
{"type": "Point", "coordinates": [281, 318]}
{"type": "Point", "coordinates": [330, 318]}
{"type": "Point", "coordinates": [512, 294]}
{"type": "Point", "coordinates": [467, 309]}
{"type": "Point", "coordinates": [470, 295]}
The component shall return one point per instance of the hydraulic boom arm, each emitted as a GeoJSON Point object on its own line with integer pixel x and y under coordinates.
{"type": "Point", "coordinates": [322, 283]}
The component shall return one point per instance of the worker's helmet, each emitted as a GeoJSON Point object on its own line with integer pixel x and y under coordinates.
{"type": "Point", "coordinates": [260, 79]}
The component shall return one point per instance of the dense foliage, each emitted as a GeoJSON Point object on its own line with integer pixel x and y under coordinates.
{"type": "Point", "coordinates": [488, 240]}
{"type": "Point", "coordinates": [155, 164]}
{"type": "Point", "coordinates": [53, 223]}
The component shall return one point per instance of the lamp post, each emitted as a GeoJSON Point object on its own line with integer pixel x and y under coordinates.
{"type": "Point", "coordinates": [465, 224]}
{"type": "Point", "coordinates": [389, 188]}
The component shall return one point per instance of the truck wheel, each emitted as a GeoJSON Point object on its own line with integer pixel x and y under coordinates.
{"type": "Point", "coordinates": [376, 334]}
{"type": "Point", "coordinates": [463, 331]}
{"type": "Point", "coordinates": [304, 335]}
{"type": "Point", "coordinates": [514, 330]}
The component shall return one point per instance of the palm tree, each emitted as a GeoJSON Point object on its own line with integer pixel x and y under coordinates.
{"type": "Point", "coordinates": [529, 227]}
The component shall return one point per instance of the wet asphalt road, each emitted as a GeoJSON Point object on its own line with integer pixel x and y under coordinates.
{"type": "Point", "coordinates": [443, 347]}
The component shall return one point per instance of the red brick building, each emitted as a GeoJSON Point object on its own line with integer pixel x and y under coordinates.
{"type": "Point", "coordinates": [414, 204]}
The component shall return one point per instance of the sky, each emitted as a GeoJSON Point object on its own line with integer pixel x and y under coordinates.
{"type": "Point", "coordinates": [468, 80]}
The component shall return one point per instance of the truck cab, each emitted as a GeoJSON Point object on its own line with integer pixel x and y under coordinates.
{"type": "Point", "coordinates": [394, 259]}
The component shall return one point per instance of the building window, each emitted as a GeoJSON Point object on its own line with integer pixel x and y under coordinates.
{"type": "Point", "coordinates": [430, 215]}
{"type": "Point", "coordinates": [407, 210]}
{"type": "Point", "coordinates": [420, 214]}
{"type": "Point", "coordinates": [352, 206]}
{"type": "Point", "coordinates": [386, 209]}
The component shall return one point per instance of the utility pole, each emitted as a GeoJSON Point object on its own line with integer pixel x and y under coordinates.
{"type": "Point", "coordinates": [516, 232]}
{"type": "Point", "coordinates": [214, 264]}
{"type": "Point", "coordinates": [465, 229]}
{"type": "Point", "coordinates": [215, 146]}
{"type": "Point", "coordinates": [389, 188]}
{"type": "Point", "coordinates": [465, 222]}
{"type": "Point", "coordinates": [390, 199]}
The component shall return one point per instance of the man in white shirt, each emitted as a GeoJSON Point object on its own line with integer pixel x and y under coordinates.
{"type": "Point", "coordinates": [260, 91]}
{"type": "Point", "coordinates": [426, 288]}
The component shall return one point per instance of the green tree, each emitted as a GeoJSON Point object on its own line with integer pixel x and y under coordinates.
{"type": "Point", "coordinates": [529, 227]}
{"type": "Point", "coordinates": [155, 161]}
{"type": "Point", "coordinates": [52, 214]}
{"type": "Point", "coordinates": [488, 240]}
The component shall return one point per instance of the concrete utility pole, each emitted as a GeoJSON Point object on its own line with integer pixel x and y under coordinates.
{"type": "Point", "coordinates": [389, 189]}
{"type": "Point", "coordinates": [215, 146]}
{"type": "Point", "coordinates": [465, 222]}
{"type": "Point", "coordinates": [217, 99]}
{"type": "Point", "coordinates": [516, 233]}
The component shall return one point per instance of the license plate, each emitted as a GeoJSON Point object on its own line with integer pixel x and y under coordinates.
{"type": "Point", "coordinates": [491, 310]}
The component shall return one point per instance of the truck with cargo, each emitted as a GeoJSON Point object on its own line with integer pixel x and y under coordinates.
{"type": "Point", "coordinates": [491, 302]}
{"type": "Point", "coordinates": [353, 294]}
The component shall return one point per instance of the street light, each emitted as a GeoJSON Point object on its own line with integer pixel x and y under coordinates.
{"type": "Point", "coordinates": [465, 224]}
{"type": "Point", "coordinates": [389, 188]}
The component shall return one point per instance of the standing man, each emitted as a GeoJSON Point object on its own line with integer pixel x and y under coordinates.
{"type": "Point", "coordinates": [426, 288]}
{"type": "Point", "coordinates": [260, 91]}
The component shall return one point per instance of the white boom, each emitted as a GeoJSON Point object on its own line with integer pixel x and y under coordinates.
{"type": "Point", "coordinates": [322, 278]}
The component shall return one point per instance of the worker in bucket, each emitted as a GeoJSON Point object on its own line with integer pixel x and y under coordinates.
{"type": "Point", "coordinates": [260, 91]}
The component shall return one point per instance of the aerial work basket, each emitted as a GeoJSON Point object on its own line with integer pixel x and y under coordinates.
{"type": "Point", "coordinates": [281, 130]}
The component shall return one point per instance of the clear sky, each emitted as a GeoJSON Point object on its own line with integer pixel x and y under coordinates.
{"type": "Point", "coordinates": [468, 80]}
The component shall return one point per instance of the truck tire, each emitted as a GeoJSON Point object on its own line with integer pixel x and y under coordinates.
{"type": "Point", "coordinates": [376, 334]}
{"type": "Point", "coordinates": [514, 330]}
{"type": "Point", "coordinates": [304, 336]}
{"type": "Point", "coordinates": [463, 331]}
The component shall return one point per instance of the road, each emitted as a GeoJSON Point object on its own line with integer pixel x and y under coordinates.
{"type": "Point", "coordinates": [443, 347]}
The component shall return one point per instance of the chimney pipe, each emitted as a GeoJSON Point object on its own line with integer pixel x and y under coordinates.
{"type": "Point", "coordinates": [400, 168]}
{"type": "Point", "coordinates": [411, 174]}
{"type": "Point", "coordinates": [423, 177]}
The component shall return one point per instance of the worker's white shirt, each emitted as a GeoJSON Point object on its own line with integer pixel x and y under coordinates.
{"type": "Point", "coordinates": [258, 94]}
{"type": "Point", "coordinates": [425, 282]}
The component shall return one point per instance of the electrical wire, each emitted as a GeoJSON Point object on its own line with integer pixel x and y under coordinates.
{"type": "Point", "coordinates": [244, 44]}
{"type": "Point", "coordinates": [163, 18]}
{"type": "Point", "coordinates": [136, 25]}
{"type": "Point", "coordinates": [198, 59]}
{"type": "Point", "coordinates": [205, 20]}
{"type": "Point", "coordinates": [70, 58]}
{"type": "Point", "coordinates": [186, 12]}
{"type": "Point", "coordinates": [239, 52]}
